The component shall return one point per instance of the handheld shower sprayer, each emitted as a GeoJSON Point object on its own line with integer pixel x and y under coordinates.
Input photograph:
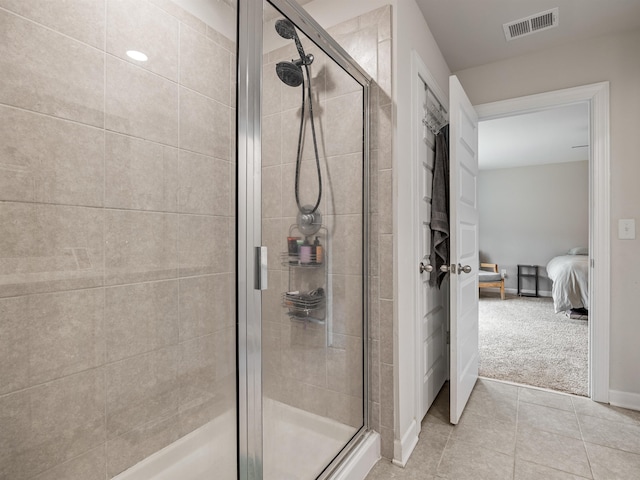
{"type": "Point", "coordinates": [291, 74]}
{"type": "Point", "coordinates": [286, 30]}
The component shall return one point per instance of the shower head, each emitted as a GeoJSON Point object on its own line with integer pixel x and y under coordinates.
{"type": "Point", "coordinates": [290, 73]}
{"type": "Point", "coordinates": [286, 30]}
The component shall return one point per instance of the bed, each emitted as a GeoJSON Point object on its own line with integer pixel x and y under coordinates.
{"type": "Point", "coordinates": [570, 276]}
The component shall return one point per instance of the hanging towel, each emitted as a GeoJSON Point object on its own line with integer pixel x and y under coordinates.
{"type": "Point", "coordinates": [440, 208]}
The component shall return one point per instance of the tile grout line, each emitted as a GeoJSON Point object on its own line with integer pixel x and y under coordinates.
{"type": "Point", "coordinates": [444, 450]}
{"type": "Point", "coordinates": [584, 443]}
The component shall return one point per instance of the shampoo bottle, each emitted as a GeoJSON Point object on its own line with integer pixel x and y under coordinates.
{"type": "Point", "coordinates": [305, 252]}
{"type": "Point", "coordinates": [319, 251]}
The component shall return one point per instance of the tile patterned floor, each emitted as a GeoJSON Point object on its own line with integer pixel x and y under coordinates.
{"type": "Point", "coordinates": [517, 433]}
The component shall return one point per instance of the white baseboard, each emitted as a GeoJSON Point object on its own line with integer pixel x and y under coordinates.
{"type": "Point", "coordinates": [514, 291]}
{"type": "Point", "coordinates": [403, 449]}
{"type": "Point", "coordinates": [624, 399]}
{"type": "Point", "coordinates": [360, 462]}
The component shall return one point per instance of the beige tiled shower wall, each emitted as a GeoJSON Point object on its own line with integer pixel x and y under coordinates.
{"type": "Point", "coordinates": [300, 369]}
{"type": "Point", "coordinates": [117, 331]}
{"type": "Point", "coordinates": [368, 40]}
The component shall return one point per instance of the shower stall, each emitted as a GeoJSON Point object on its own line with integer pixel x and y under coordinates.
{"type": "Point", "coordinates": [184, 242]}
{"type": "Point", "coordinates": [303, 155]}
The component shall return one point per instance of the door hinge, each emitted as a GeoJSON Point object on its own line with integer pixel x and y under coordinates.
{"type": "Point", "coordinates": [448, 338]}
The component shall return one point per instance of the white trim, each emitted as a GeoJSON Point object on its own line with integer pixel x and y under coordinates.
{"type": "Point", "coordinates": [597, 95]}
{"type": "Point", "coordinates": [402, 449]}
{"type": "Point", "coordinates": [625, 399]}
{"type": "Point", "coordinates": [361, 461]}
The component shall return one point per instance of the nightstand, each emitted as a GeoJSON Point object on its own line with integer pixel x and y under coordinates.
{"type": "Point", "coordinates": [525, 272]}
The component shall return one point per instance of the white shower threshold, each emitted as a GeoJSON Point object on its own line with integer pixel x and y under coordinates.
{"type": "Point", "coordinates": [210, 451]}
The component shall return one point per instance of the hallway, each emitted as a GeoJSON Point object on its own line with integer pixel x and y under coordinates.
{"type": "Point", "coordinates": [520, 433]}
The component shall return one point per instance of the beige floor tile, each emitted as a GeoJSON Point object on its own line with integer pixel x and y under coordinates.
{"type": "Point", "coordinates": [496, 389]}
{"type": "Point", "coordinates": [548, 419]}
{"type": "Point", "coordinates": [585, 406]}
{"type": "Point", "coordinates": [493, 405]}
{"type": "Point", "coordinates": [548, 440]}
{"type": "Point", "coordinates": [553, 450]}
{"type": "Point", "coordinates": [493, 434]}
{"type": "Point", "coordinates": [608, 463]}
{"type": "Point", "coordinates": [436, 425]}
{"type": "Point", "coordinates": [462, 461]}
{"type": "Point", "coordinates": [531, 471]}
{"type": "Point", "coordinates": [548, 399]}
{"type": "Point", "coordinates": [439, 410]}
{"type": "Point", "coordinates": [385, 470]}
{"type": "Point", "coordinates": [610, 434]}
{"type": "Point", "coordinates": [428, 452]}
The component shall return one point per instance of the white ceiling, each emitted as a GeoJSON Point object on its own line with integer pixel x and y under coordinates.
{"type": "Point", "coordinates": [543, 137]}
{"type": "Point", "coordinates": [469, 32]}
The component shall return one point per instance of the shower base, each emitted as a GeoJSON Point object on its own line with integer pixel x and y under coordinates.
{"type": "Point", "coordinates": [297, 446]}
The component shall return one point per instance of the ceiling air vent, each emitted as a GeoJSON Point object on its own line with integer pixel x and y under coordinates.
{"type": "Point", "coordinates": [531, 24]}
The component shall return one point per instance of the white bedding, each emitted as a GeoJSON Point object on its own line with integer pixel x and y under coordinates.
{"type": "Point", "coordinates": [570, 275]}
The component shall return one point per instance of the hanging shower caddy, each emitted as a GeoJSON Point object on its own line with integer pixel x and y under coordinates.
{"type": "Point", "coordinates": [308, 291]}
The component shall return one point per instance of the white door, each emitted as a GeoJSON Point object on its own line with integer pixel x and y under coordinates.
{"type": "Point", "coordinates": [463, 221]}
{"type": "Point", "coordinates": [432, 318]}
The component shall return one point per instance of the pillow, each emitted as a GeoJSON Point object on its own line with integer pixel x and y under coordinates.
{"type": "Point", "coordinates": [579, 251]}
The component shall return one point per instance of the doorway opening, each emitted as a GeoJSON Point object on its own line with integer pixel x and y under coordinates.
{"type": "Point", "coordinates": [596, 97]}
{"type": "Point", "coordinates": [533, 203]}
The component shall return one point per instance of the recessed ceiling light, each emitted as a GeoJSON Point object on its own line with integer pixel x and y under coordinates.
{"type": "Point", "coordinates": [139, 56]}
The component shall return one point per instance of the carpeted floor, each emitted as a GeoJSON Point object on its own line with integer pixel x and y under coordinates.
{"type": "Point", "coordinates": [522, 340]}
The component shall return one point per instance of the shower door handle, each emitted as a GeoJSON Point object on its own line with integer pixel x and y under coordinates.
{"type": "Point", "coordinates": [261, 268]}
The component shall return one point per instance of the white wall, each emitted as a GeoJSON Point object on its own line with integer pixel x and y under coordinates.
{"type": "Point", "coordinates": [528, 215]}
{"type": "Point", "coordinates": [612, 58]}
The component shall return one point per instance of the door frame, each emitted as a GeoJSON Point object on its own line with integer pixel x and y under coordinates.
{"type": "Point", "coordinates": [597, 97]}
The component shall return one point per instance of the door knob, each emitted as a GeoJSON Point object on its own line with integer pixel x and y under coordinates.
{"type": "Point", "coordinates": [465, 269]}
{"type": "Point", "coordinates": [425, 267]}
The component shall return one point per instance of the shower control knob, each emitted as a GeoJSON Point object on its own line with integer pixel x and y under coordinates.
{"type": "Point", "coordinates": [306, 219]}
{"type": "Point", "coordinates": [309, 223]}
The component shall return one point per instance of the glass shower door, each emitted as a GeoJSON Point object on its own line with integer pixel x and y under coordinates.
{"type": "Point", "coordinates": [306, 398]}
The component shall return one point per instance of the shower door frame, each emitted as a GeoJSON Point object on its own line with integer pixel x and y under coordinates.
{"type": "Point", "coordinates": [248, 227]}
